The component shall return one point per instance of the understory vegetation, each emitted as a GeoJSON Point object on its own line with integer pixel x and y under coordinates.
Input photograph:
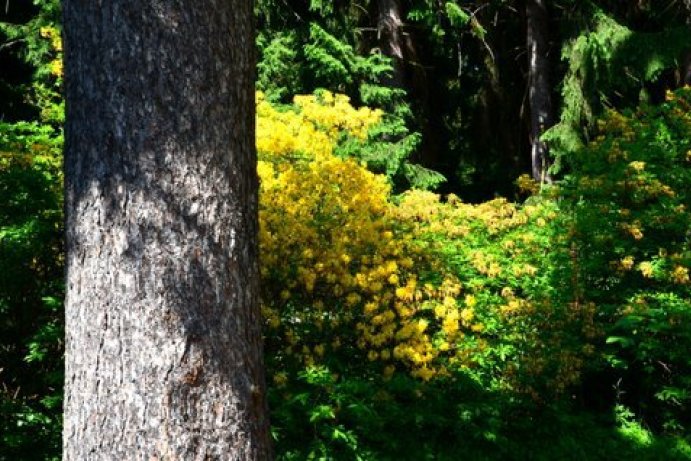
{"type": "Point", "coordinates": [481, 326]}
{"type": "Point", "coordinates": [403, 321]}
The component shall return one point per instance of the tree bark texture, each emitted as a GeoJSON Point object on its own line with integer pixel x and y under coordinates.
{"type": "Point", "coordinates": [539, 96]}
{"type": "Point", "coordinates": [163, 343]}
{"type": "Point", "coordinates": [408, 74]}
{"type": "Point", "coordinates": [391, 42]}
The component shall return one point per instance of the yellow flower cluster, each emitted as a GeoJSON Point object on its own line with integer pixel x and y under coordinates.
{"type": "Point", "coordinates": [52, 34]}
{"type": "Point", "coordinates": [311, 127]}
{"type": "Point", "coordinates": [527, 184]}
{"type": "Point", "coordinates": [339, 271]}
{"type": "Point", "coordinates": [500, 248]}
{"type": "Point", "coordinates": [333, 114]}
{"type": "Point", "coordinates": [348, 272]}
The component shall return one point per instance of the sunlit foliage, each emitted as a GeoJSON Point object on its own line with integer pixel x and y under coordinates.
{"type": "Point", "coordinates": [631, 202]}
{"type": "Point", "coordinates": [530, 300]}
{"type": "Point", "coordinates": [412, 283]}
{"type": "Point", "coordinates": [390, 310]}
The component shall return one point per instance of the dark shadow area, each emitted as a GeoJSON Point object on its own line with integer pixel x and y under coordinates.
{"type": "Point", "coordinates": [31, 293]}
{"type": "Point", "coordinates": [15, 74]}
{"type": "Point", "coordinates": [404, 419]}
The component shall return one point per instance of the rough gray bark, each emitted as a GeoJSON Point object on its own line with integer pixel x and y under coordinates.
{"type": "Point", "coordinates": [539, 97]}
{"type": "Point", "coordinates": [163, 344]}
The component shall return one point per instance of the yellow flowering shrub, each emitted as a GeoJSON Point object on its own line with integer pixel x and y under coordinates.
{"type": "Point", "coordinates": [53, 35]}
{"type": "Point", "coordinates": [631, 201]}
{"type": "Point", "coordinates": [522, 333]}
{"type": "Point", "coordinates": [338, 273]}
{"type": "Point", "coordinates": [419, 291]}
{"type": "Point", "coordinates": [417, 283]}
{"type": "Point", "coordinates": [311, 127]}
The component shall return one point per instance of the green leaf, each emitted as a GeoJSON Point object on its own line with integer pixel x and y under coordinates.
{"type": "Point", "coordinates": [457, 16]}
{"type": "Point", "coordinates": [321, 413]}
{"type": "Point", "coordinates": [621, 340]}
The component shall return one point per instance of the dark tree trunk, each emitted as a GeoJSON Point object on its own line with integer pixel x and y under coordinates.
{"type": "Point", "coordinates": [391, 42]}
{"type": "Point", "coordinates": [539, 97]}
{"type": "Point", "coordinates": [685, 69]}
{"type": "Point", "coordinates": [163, 346]}
{"type": "Point", "coordinates": [409, 75]}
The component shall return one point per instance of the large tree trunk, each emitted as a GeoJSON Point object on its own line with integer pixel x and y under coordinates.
{"type": "Point", "coordinates": [539, 96]}
{"type": "Point", "coordinates": [163, 346]}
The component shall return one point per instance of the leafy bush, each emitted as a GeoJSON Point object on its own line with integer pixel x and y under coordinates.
{"type": "Point", "coordinates": [630, 200]}
{"type": "Point", "coordinates": [374, 301]}
{"type": "Point", "coordinates": [361, 287]}
{"type": "Point", "coordinates": [30, 291]}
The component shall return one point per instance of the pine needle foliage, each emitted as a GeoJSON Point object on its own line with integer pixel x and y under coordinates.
{"type": "Point", "coordinates": [608, 63]}
{"type": "Point", "coordinates": [326, 55]}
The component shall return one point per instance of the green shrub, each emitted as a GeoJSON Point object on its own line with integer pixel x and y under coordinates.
{"type": "Point", "coordinates": [30, 292]}
{"type": "Point", "coordinates": [630, 199]}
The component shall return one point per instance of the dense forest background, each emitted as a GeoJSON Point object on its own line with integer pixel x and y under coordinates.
{"type": "Point", "coordinates": [475, 228]}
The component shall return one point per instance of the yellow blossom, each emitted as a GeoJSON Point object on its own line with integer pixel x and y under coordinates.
{"type": "Point", "coordinates": [352, 299]}
{"type": "Point", "coordinates": [423, 373]}
{"type": "Point", "coordinates": [467, 315]}
{"type": "Point", "coordinates": [450, 326]}
{"type": "Point", "coordinates": [637, 166]}
{"type": "Point", "coordinates": [680, 275]}
{"type": "Point", "coordinates": [389, 371]}
{"type": "Point", "coordinates": [280, 379]}
{"type": "Point", "coordinates": [530, 269]}
{"type": "Point", "coordinates": [646, 268]}
{"type": "Point", "coordinates": [626, 263]}
{"type": "Point", "coordinates": [421, 325]}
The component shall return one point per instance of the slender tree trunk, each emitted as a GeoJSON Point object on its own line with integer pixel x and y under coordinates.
{"type": "Point", "coordinates": [163, 346]}
{"type": "Point", "coordinates": [685, 69]}
{"type": "Point", "coordinates": [409, 75]}
{"type": "Point", "coordinates": [539, 96]}
{"type": "Point", "coordinates": [391, 43]}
